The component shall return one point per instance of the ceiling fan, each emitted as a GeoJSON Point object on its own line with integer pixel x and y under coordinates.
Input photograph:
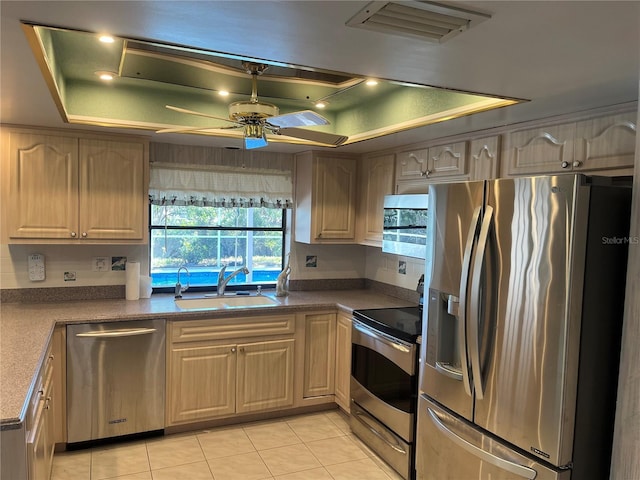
{"type": "Point", "coordinates": [258, 118]}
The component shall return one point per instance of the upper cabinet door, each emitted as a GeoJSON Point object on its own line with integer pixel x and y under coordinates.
{"type": "Point", "coordinates": [335, 210]}
{"type": "Point", "coordinates": [376, 181]}
{"type": "Point", "coordinates": [112, 189]}
{"type": "Point", "coordinates": [540, 150]}
{"type": "Point", "coordinates": [447, 160]}
{"type": "Point", "coordinates": [326, 198]}
{"type": "Point", "coordinates": [484, 158]}
{"type": "Point", "coordinates": [43, 186]}
{"type": "Point", "coordinates": [412, 164]}
{"type": "Point", "coordinates": [606, 142]}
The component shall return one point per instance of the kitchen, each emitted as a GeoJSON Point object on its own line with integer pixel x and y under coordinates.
{"type": "Point", "coordinates": [22, 106]}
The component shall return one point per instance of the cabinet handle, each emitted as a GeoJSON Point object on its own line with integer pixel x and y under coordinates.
{"type": "Point", "coordinates": [564, 164]}
{"type": "Point", "coordinates": [577, 163]}
{"type": "Point", "coordinates": [426, 173]}
{"type": "Point", "coordinates": [241, 349]}
{"type": "Point", "coordinates": [73, 234]}
{"type": "Point", "coordinates": [233, 350]}
{"type": "Point", "coordinates": [84, 234]}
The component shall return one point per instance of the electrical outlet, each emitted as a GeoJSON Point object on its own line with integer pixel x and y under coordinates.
{"type": "Point", "coordinates": [101, 264]}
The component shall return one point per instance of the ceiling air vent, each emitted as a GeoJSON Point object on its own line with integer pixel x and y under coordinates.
{"type": "Point", "coordinates": [434, 22]}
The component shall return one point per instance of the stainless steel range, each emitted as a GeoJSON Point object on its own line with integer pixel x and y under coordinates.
{"type": "Point", "coordinates": [384, 383]}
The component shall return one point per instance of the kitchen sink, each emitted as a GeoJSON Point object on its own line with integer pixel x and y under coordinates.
{"type": "Point", "coordinates": [235, 301]}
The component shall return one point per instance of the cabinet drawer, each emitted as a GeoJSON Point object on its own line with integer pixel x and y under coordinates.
{"type": "Point", "coordinates": [237, 327]}
{"type": "Point", "coordinates": [42, 388]}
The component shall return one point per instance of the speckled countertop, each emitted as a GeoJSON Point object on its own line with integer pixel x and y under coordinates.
{"type": "Point", "coordinates": [25, 329]}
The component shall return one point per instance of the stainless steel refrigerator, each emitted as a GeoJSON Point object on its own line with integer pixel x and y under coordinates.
{"type": "Point", "coordinates": [521, 340]}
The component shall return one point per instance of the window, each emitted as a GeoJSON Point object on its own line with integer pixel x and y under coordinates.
{"type": "Point", "coordinates": [204, 238]}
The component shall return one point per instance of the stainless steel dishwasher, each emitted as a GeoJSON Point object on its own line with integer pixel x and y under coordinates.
{"type": "Point", "coordinates": [115, 379]}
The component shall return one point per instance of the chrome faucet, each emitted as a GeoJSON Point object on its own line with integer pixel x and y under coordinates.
{"type": "Point", "coordinates": [179, 287]}
{"type": "Point", "coordinates": [222, 282]}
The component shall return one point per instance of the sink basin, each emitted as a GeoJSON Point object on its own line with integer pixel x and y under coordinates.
{"type": "Point", "coordinates": [235, 301]}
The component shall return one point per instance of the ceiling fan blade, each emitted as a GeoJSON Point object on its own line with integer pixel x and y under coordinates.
{"type": "Point", "coordinates": [195, 129]}
{"type": "Point", "coordinates": [303, 118]}
{"type": "Point", "coordinates": [192, 112]}
{"type": "Point", "coordinates": [313, 136]}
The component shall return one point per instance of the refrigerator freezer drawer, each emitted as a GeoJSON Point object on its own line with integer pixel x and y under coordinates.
{"type": "Point", "coordinates": [449, 448]}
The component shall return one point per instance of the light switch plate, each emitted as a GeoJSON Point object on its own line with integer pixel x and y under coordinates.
{"type": "Point", "coordinates": [36, 267]}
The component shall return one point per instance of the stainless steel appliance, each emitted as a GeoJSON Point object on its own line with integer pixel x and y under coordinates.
{"type": "Point", "coordinates": [384, 379]}
{"type": "Point", "coordinates": [115, 379]}
{"type": "Point", "coordinates": [522, 328]}
{"type": "Point", "coordinates": [404, 230]}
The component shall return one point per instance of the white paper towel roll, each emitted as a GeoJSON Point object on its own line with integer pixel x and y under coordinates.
{"type": "Point", "coordinates": [132, 280]}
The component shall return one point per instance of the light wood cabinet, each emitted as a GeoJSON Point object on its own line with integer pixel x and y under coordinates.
{"type": "Point", "coordinates": [605, 143]}
{"type": "Point", "coordinates": [40, 442]}
{"type": "Point", "coordinates": [602, 144]}
{"type": "Point", "coordinates": [265, 375]}
{"type": "Point", "coordinates": [343, 362]}
{"type": "Point", "coordinates": [319, 354]}
{"type": "Point", "coordinates": [201, 382]}
{"type": "Point", "coordinates": [484, 158]}
{"type": "Point", "coordinates": [27, 451]}
{"type": "Point", "coordinates": [376, 179]}
{"type": "Point", "coordinates": [540, 150]}
{"type": "Point", "coordinates": [224, 367]}
{"type": "Point", "coordinates": [326, 198]}
{"type": "Point", "coordinates": [64, 189]}
{"type": "Point", "coordinates": [415, 169]}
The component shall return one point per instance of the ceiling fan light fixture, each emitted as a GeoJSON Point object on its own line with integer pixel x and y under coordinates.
{"type": "Point", "coordinates": [240, 110]}
{"type": "Point", "coordinates": [254, 136]}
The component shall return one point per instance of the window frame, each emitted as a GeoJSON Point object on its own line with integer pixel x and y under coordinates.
{"type": "Point", "coordinates": [230, 287]}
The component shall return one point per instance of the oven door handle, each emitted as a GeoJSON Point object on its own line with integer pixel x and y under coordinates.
{"type": "Point", "coordinates": [383, 339]}
{"type": "Point", "coordinates": [362, 419]}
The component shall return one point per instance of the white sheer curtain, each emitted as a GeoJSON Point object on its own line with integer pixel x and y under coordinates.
{"type": "Point", "coordinates": [219, 186]}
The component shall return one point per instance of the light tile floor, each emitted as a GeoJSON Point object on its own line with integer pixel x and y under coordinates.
{"type": "Point", "coordinates": [318, 446]}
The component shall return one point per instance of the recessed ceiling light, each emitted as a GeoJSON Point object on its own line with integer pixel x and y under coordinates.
{"type": "Point", "coordinates": [223, 93]}
{"type": "Point", "coordinates": [321, 104]}
{"type": "Point", "coordinates": [371, 82]}
{"type": "Point", "coordinates": [106, 39]}
{"type": "Point", "coordinates": [107, 76]}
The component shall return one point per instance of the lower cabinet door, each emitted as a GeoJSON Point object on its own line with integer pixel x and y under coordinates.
{"type": "Point", "coordinates": [343, 362]}
{"type": "Point", "coordinates": [265, 375]}
{"type": "Point", "coordinates": [37, 447]}
{"type": "Point", "coordinates": [202, 383]}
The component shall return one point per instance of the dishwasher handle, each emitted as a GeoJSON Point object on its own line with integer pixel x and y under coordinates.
{"type": "Point", "coordinates": [121, 332]}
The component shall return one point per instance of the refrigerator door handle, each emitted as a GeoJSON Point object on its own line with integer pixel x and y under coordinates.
{"type": "Point", "coordinates": [448, 370]}
{"type": "Point", "coordinates": [507, 465]}
{"type": "Point", "coordinates": [474, 308]}
{"type": "Point", "coordinates": [464, 286]}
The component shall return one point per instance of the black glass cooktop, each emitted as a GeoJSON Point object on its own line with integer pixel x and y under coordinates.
{"type": "Point", "coordinates": [403, 323]}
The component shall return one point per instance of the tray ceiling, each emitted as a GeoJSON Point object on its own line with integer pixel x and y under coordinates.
{"type": "Point", "coordinates": [149, 75]}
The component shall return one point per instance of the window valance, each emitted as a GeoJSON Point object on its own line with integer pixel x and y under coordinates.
{"type": "Point", "coordinates": [219, 186]}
